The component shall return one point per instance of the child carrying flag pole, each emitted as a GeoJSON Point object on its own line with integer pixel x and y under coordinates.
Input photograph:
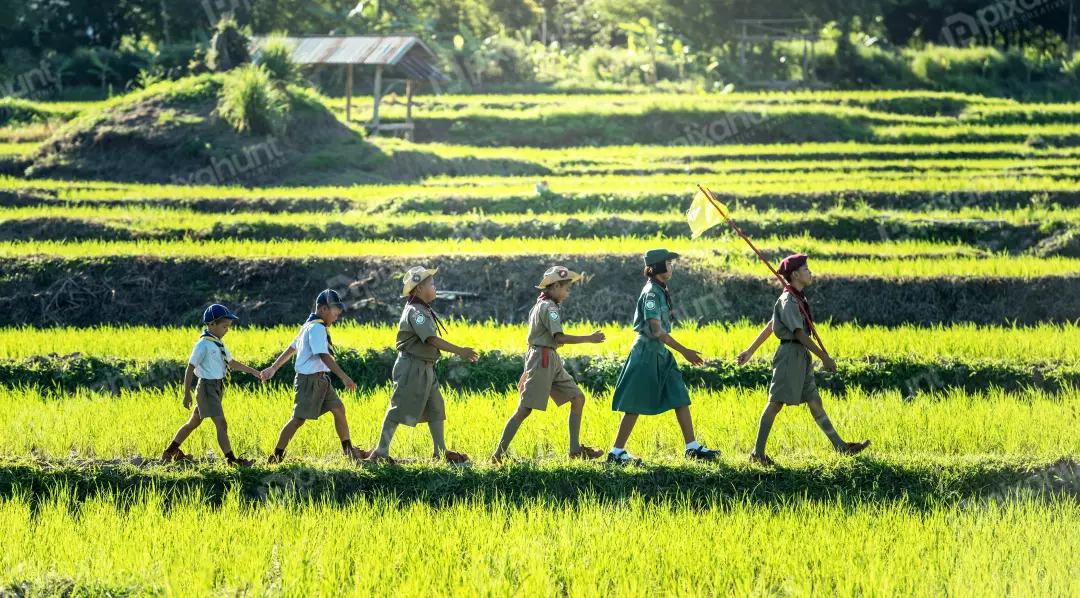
{"type": "Point", "coordinates": [793, 369]}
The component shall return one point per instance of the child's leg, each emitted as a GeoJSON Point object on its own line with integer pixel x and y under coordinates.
{"type": "Point", "coordinates": [222, 434]}
{"type": "Point", "coordinates": [510, 429]}
{"type": "Point", "coordinates": [626, 426]}
{"type": "Point", "coordinates": [765, 426]}
{"type": "Point", "coordinates": [822, 420]}
{"type": "Point", "coordinates": [686, 423]}
{"type": "Point", "coordinates": [341, 424]}
{"type": "Point", "coordinates": [185, 430]}
{"type": "Point", "coordinates": [573, 422]}
{"type": "Point", "coordinates": [287, 433]}
{"type": "Point", "coordinates": [438, 436]}
{"type": "Point", "coordinates": [385, 436]}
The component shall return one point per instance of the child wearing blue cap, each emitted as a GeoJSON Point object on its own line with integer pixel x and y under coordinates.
{"type": "Point", "coordinates": [314, 395]}
{"type": "Point", "coordinates": [210, 362]}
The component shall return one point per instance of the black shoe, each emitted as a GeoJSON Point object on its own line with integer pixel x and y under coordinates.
{"type": "Point", "coordinates": [622, 458]}
{"type": "Point", "coordinates": [701, 454]}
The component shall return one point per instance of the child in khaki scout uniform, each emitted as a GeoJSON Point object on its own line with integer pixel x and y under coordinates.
{"type": "Point", "coordinates": [650, 382]}
{"type": "Point", "coordinates": [793, 368]}
{"type": "Point", "coordinates": [209, 362]}
{"type": "Point", "coordinates": [416, 397]}
{"type": "Point", "coordinates": [315, 395]}
{"type": "Point", "coordinates": [544, 374]}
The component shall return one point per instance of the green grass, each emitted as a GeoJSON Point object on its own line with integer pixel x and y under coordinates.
{"type": "Point", "coordinates": [716, 341]}
{"type": "Point", "coordinates": [17, 149]}
{"type": "Point", "coordinates": [1032, 425]}
{"type": "Point", "coordinates": [542, 548]}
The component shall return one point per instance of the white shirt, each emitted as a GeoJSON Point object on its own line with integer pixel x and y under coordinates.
{"type": "Point", "coordinates": [309, 344]}
{"type": "Point", "coordinates": [206, 357]}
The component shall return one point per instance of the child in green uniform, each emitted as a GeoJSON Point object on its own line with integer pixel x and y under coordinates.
{"type": "Point", "coordinates": [210, 362]}
{"type": "Point", "coordinates": [793, 367]}
{"type": "Point", "coordinates": [314, 396]}
{"type": "Point", "coordinates": [416, 397]}
{"type": "Point", "coordinates": [650, 382]}
{"type": "Point", "coordinates": [544, 374]}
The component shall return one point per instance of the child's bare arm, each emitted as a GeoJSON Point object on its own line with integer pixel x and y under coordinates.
{"type": "Point", "coordinates": [332, 363]}
{"type": "Point", "coordinates": [570, 339]}
{"type": "Point", "coordinates": [286, 355]}
{"type": "Point", "coordinates": [189, 375]}
{"type": "Point", "coordinates": [807, 342]}
{"type": "Point", "coordinates": [761, 338]}
{"type": "Point", "coordinates": [658, 332]}
{"type": "Point", "coordinates": [236, 365]}
{"type": "Point", "coordinates": [466, 353]}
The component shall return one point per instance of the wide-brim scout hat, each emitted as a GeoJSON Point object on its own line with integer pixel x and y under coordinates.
{"type": "Point", "coordinates": [792, 263]}
{"type": "Point", "coordinates": [414, 277]}
{"type": "Point", "coordinates": [659, 256]}
{"type": "Point", "coordinates": [216, 312]}
{"type": "Point", "coordinates": [557, 274]}
{"type": "Point", "coordinates": [331, 298]}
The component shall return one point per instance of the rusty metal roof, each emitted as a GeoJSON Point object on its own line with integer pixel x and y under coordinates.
{"type": "Point", "coordinates": [407, 52]}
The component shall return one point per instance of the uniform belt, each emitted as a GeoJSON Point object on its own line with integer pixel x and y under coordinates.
{"type": "Point", "coordinates": [324, 374]}
{"type": "Point", "coordinates": [411, 356]}
{"type": "Point", "coordinates": [544, 354]}
{"type": "Point", "coordinates": [785, 341]}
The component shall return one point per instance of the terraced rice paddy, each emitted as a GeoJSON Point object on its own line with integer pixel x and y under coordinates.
{"type": "Point", "coordinates": [944, 233]}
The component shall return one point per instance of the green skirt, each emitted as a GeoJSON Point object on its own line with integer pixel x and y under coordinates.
{"type": "Point", "coordinates": [650, 382]}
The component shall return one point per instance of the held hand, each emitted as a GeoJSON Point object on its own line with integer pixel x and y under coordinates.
{"type": "Point", "coordinates": [597, 337]}
{"type": "Point", "coordinates": [744, 357]}
{"type": "Point", "coordinates": [829, 364]}
{"type": "Point", "coordinates": [693, 357]}
{"type": "Point", "coordinates": [468, 354]}
{"type": "Point", "coordinates": [187, 400]}
{"type": "Point", "coordinates": [268, 373]}
{"type": "Point", "coordinates": [348, 382]}
{"type": "Point", "coordinates": [261, 376]}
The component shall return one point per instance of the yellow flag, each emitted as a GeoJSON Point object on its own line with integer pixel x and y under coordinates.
{"type": "Point", "coordinates": [703, 214]}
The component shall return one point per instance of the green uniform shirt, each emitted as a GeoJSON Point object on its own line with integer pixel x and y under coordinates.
{"type": "Point", "coordinates": [545, 321]}
{"type": "Point", "coordinates": [786, 317]}
{"type": "Point", "coordinates": [652, 304]}
{"type": "Point", "coordinates": [414, 328]}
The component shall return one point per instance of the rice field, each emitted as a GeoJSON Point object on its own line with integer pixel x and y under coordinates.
{"type": "Point", "coordinates": [939, 203]}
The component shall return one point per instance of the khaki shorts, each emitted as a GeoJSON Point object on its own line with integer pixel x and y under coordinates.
{"type": "Point", "coordinates": [416, 398]}
{"type": "Point", "coordinates": [543, 382]}
{"type": "Point", "coordinates": [208, 394]}
{"type": "Point", "coordinates": [314, 396]}
{"type": "Point", "coordinates": [793, 376]}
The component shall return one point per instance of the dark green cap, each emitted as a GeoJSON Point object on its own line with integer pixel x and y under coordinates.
{"type": "Point", "coordinates": [656, 256]}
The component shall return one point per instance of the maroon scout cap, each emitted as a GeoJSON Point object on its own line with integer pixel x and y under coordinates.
{"type": "Point", "coordinates": [792, 263]}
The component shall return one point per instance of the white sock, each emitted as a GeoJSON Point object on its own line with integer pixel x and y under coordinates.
{"type": "Point", "coordinates": [616, 451]}
{"type": "Point", "coordinates": [692, 445]}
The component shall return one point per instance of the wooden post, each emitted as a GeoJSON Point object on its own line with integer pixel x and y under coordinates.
{"type": "Point", "coordinates": [408, 108]}
{"type": "Point", "coordinates": [378, 97]}
{"type": "Point", "coordinates": [348, 93]}
{"type": "Point", "coordinates": [805, 62]}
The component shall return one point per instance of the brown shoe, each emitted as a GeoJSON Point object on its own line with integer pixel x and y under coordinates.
{"type": "Point", "coordinates": [274, 459]}
{"type": "Point", "coordinates": [452, 457]}
{"type": "Point", "coordinates": [854, 448]}
{"type": "Point", "coordinates": [241, 462]}
{"type": "Point", "coordinates": [175, 456]}
{"type": "Point", "coordinates": [358, 454]}
{"type": "Point", "coordinates": [374, 457]}
{"type": "Point", "coordinates": [495, 460]}
{"type": "Point", "coordinates": [762, 460]}
{"type": "Point", "coordinates": [587, 452]}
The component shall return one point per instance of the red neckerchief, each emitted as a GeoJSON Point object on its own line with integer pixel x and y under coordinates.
{"type": "Point", "coordinates": [801, 298]}
{"type": "Point", "coordinates": [414, 300]}
{"type": "Point", "coordinates": [667, 295]}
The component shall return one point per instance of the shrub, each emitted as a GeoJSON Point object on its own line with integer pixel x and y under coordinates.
{"type": "Point", "coordinates": [252, 102]}
{"type": "Point", "coordinates": [229, 46]}
{"type": "Point", "coordinates": [276, 58]}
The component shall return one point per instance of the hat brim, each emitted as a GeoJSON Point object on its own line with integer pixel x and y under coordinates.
{"type": "Point", "coordinates": [671, 255]}
{"type": "Point", "coordinates": [570, 276]}
{"type": "Point", "coordinates": [410, 285]}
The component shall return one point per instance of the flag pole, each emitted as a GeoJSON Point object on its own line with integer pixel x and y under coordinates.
{"type": "Point", "coordinates": [715, 204]}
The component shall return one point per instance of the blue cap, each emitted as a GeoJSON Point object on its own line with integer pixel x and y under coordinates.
{"type": "Point", "coordinates": [216, 312]}
{"type": "Point", "coordinates": [330, 297]}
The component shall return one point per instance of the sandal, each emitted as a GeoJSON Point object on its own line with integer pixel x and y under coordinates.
{"type": "Point", "coordinates": [274, 459]}
{"type": "Point", "coordinates": [587, 453]}
{"type": "Point", "coordinates": [241, 462]}
{"type": "Point", "coordinates": [701, 454]}
{"type": "Point", "coordinates": [621, 459]}
{"type": "Point", "coordinates": [457, 458]}
{"type": "Point", "coordinates": [762, 460]}
{"type": "Point", "coordinates": [358, 454]}
{"type": "Point", "coordinates": [853, 448]}
{"type": "Point", "coordinates": [175, 456]}
{"type": "Point", "coordinates": [380, 459]}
